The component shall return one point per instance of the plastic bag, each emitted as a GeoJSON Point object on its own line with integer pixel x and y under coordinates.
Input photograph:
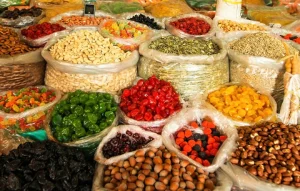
{"type": "Point", "coordinates": [99, 157]}
{"type": "Point", "coordinates": [119, 7]}
{"type": "Point", "coordinates": [294, 26]}
{"type": "Point", "coordinates": [160, 22]}
{"type": "Point", "coordinates": [200, 101]}
{"type": "Point", "coordinates": [283, 32]}
{"type": "Point", "coordinates": [33, 117]}
{"type": "Point", "coordinates": [8, 3]}
{"type": "Point", "coordinates": [224, 182]}
{"type": "Point", "coordinates": [37, 42]}
{"type": "Point", "coordinates": [244, 180]}
{"type": "Point", "coordinates": [177, 32]}
{"type": "Point", "coordinates": [235, 34]}
{"type": "Point", "coordinates": [21, 21]}
{"type": "Point", "coordinates": [194, 114]}
{"type": "Point", "coordinates": [57, 18]}
{"type": "Point", "coordinates": [88, 144]}
{"type": "Point", "coordinates": [293, 89]}
{"type": "Point", "coordinates": [189, 74]}
{"type": "Point", "coordinates": [9, 141]}
{"type": "Point", "coordinates": [170, 8]}
{"type": "Point", "coordinates": [147, 33]}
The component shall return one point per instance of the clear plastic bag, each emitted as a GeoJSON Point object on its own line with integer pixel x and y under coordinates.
{"type": "Point", "coordinates": [99, 157]}
{"type": "Point", "coordinates": [88, 143]}
{"type": "Point", "coordinates": [200, 101]}
{"type": "Point", "coordinates": [177, 32]}
{"type": "Point", "coordinates": [33, 117]}
{"type": "Point", "coordinates": [127, 41]}
{"type": "Point", "coordinates": [10, 141]}
{"type": "Point", "coordinates": [244, 180]}
{"type": "Point", "coordinates": [189, 74]}
{"type": "Point", "coordinates": [224, 182]}
{"type": "Point", "coordinates": [21, 21]}
{"type": "Point", "coordinates": [194, 114]}
{"type": "Point", "coordinates": [294, 26]}
{"type": "Point", "coordinates": [293, 90]}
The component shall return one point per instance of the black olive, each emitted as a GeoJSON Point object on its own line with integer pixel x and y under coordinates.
{"type": "Point", "coordinates": [150, 22]}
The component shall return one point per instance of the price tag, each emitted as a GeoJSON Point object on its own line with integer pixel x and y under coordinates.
{"type": "Point", "coordinates": [89, 8]}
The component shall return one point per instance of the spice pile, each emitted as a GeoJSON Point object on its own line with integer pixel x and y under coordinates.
{"type": "Point", "coordinates": [16, 13]}
{"type": "Point", "coordinates": [271, 152]}
{"type": "Point", "coordinates": [150, 22]}
{"type": "Point", "coordinates": [10, 43]}
{"type": "Point", "coordinates": [87, 47]}
{"type": "Point", "coordinates": [45, 166]}
{"type": "Point", "coordinates": [41, 30]}
{"type": "Point", "coordinates": [150, 100]}
{"type": "Point", "coordinates": [182, 46]}
{"type": "Point", "coordinates": [200, 147]}
{"type": "Point", "coordinates": [82, 114]}
{"type": "Point", "coordinates": [123, 29]}
{"type": "Point", "coordinates": [192, 25]}
{"type": "Point", "coordinates": [157, 169]}
{"type": "Point", "coordinates": [229, 26]}
{"type": "Point", "coordinates": [260, 44]}
{"type": "Point", "coordinates": [124, 143]}
{"type": "Point", "coordinates": [294, 38]}
{"type": "Point", "coordinates": [81, 20]}
{"type": "Point", "coordinates": [118, 7]}
{"type": "Point", "coordinates": [241, 103]}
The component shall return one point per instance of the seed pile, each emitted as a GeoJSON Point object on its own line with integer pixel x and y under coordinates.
{"type": "Point", "coordinates": [260, 44]}
{"type": "Point", "coordinates": [81, 20]}
{"type": "Point", "coordinates": [228, 26]}
{"type": "Point", "coordinates": [183, 46]}
{"type": "Point", "coordinates": [271, 152]}
{"type": "Point", "coordinates": [87, 47]}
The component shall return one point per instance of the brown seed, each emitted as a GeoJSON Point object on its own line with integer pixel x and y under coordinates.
{"type": "Point", "coordinates": [109, 186]}
{"type": "Point", "coordinates": [163, 173]}
{"type": "Point", "coordinates": [122, 187]}
{"type": "Point", "coordinates": [140, 184]}
{"type": "Point", "coordinates": [118, 176]}
{"type": "Point", "coordinates": [167, 155]}
{"type": "Point", "coordinates": [148, 161]}
{"type": "Point", "coordinates": [146, 167]}
{"type": "Point", "coordinates": [157, 160]}
{"type": "Point", "coordinates": [149, 181]}
{"type": "Point", "coordinates": [131, 185]}
{"type": "Point", "coordinates": [149, 188]}
{"type": "Point", "coordinates": [175, 179]}
{"type": "Point", "coordinates": [182, 184]}
{"type": "Point", "coordinates": [187, 177]}
{"type": "Point", "coordinates": [141, 177]}
{"type": "Point", "coordinates": [184, 163]}
{"type": "Point", "coordinates": [209, 184]}
{"type": "Point", "coordinates": [150, 154]}
{"type": "Point", "coordinates": [140, 159]}
{"type": "Point", "coordinates": [107, 173]}
{"type": "Point", "coordinates": [126, 164]}
{"type": "Point", "coordinates": [190, 185]}
{"type": "Point", "coordinates": [153, 175]}
{"type": "Point", "coordinates": [176, 166]}
{"type": "Point", "coordinates": [200, 186]}
{"type": "Point", "coordinates": [159, 153]}
{"type": "Point", "coordinates": [174, 186]}
{"type": "Point", "coordinates": [146, 172]}
{"type": "Point", "coordinates": [158, 168]}
{"type": "Point", "coordinates": [132, 178]}
{"type": "Point", "coordinates": [140, 153]}
{"type": "Point", "coordinates": [132, 161]}
{"type": "Point", "coordinates": [167, 167]}
{"type": "Point", "coordinates": [160, 186]}
{"type": "Point", "coordinates": [175, 160]}
{"type": "Point", "coordinates": [133, 172]}
{"type": "Point", "coordinates": [168, 161]}
{"type": "Point", "coordinates": [115, 170]}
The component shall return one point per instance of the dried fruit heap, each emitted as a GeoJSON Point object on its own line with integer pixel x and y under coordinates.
{"type": "Point", "coordinates": [296, 39]}
{"type": "Point", "coordinates": [150, 100]}
{"type": "Point", "coordinates": [192, 25]}
{"type": "Point", "coordinates": [40, 30]}
{"type": "Point", "coordinates": [200, 147]}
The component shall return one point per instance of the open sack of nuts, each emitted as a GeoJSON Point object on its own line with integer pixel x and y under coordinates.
{"type": "Point", "coordinates": [24, 111]}
{"type": "Point", "coordinates": [159, 103]}
{"type": "Point", "coordinates": [191, 25]}
{"type": "Point", "coordinates": [241, 104]}
{"type": "Point", "coordinates": [190, 65]}
{"type": "Point", "coordinates": [74, 62]}
{"type": "Point", "coordinates": [202, 137]}
{"type": "Point", "coordinates": [228, 29]}
{"type": "Point", "coordinates": [21, 18]}
{"type": "Point", "coordinates": [157, 169]}
{"type": "Point", "coordinates": [146, 19]}
{"type": "Point", "coordinates": [39, 34]}
{"type": "Point", "coordinates": [123, 142]}
{"type": "Point", "coordinates": [267, 158]}
{"type": "Point", "coordinates": [82, 119]}
{"type": "Point", "coordinates": [20, 65]}
{"type": "Point", "coordinates": [76, 19]}
{"type": "Point", "coordinates": [258, 59]}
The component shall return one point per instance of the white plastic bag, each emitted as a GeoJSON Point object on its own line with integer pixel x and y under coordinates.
{"type": "Point", "coordinates": [294, 27]}
{"type": "Point", "coordinates": [200, 101]}
{"type": "Point", "coordinates": [189, 74]}
{"type": "Point", "coordinates": [244, 180]}
{"type": "Point", "coordinates": [195, 114]}
{"type": "Point", "coordinates": [159, 22]}
{"type": "Point", "coordinates": [21, 21]}
{"type": "Point", "coordinates": [235, 34]}
{"type": "Point", "coordinates": [99, 157]}
{"type": "Point", "coordinates": [293, 89]}
{"type": "Point", "coordinates": [177, 32]}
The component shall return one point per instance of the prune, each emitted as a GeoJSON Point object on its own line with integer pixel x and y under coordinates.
{"type": "Point", "coordinates": [45, 166]}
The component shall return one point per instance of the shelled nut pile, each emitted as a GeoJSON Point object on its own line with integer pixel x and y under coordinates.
{"type": "Point", "coordinates": [271, 152]}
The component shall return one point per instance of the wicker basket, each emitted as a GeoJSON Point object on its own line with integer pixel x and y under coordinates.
{"type": "Point", "coordinates": [22, 71]}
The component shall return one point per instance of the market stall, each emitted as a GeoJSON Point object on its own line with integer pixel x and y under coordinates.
{"type": "Point", "coordinates": [146, 95]}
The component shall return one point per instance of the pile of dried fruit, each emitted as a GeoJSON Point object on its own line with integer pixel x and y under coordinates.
{"type": "Point", "coordinates": [200, 147]}
{"type": "Point", "coordinates": [150, 100]}
{"type": "Point", "coordinates": [157, 169]}
{"type": "Point", "coordinates": [81, 20]}
{"type": "Point", "coordinates": [40, 30]}
{"type": "Point", "coordinates": [229, 26]}
{"type": "Point", "coordinates": [192, 25]}
{"type": "Point", "coordinates": [271, 152]}
{"type": "Point", "coordinates": [294, 38]}
{"type": "Point", "coordinates": [124, 143]}
{"type": "Point", "coordinates": [241, 103]}
{"type": "Point", "coordinates": [143, 19]}
{"type": "Point", "coordinates": [82, 114]}
{"type": "Point", "coordinates": [45, 166]}
{"type": "Point", "coordinates": [16, 13]}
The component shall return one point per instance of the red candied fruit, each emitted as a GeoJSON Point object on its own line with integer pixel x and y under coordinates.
{"type": "Point", "coordinates": [192, 25]}
{"type": "Point", "coordinates": [40, 30]}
